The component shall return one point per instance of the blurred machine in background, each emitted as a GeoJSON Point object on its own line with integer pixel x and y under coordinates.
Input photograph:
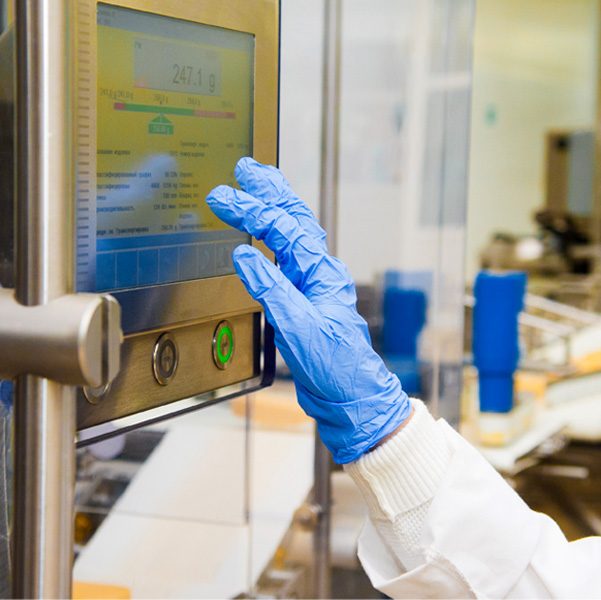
{"type": "Point", "coordinates": [570, 177]}
{"type": "Point", "coordinates": [563, 259]}
{"type": "Point", "coordinates": [535, 207]}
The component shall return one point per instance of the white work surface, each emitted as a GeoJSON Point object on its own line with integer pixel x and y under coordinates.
{"type": "Point", "coordinates": [180, 529]}
{"type": "Point", "coordinates": [506, 458]}
{"type": "Point", "coordinates": [576, 416]}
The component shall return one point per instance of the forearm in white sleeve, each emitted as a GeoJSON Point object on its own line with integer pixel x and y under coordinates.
{"type": "Point", "coordinates": [443, 523]}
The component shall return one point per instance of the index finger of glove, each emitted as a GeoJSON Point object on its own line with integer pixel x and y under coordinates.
{"type": "Point", "coordinates": [269, 184]}
{"type": "Point", "coordinates": [302, 259]}
{"type": "Point", "coordinates": [263, 221]}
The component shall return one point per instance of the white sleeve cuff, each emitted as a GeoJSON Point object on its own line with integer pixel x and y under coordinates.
{"type": "Point", "coordinates": [405, 471]}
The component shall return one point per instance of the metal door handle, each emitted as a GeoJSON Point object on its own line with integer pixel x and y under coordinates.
{"type": "Point", "coordinates": [75, 339]}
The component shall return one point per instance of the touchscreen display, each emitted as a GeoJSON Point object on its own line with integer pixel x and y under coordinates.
{"type": "Point", "coordinates": [174, 116]}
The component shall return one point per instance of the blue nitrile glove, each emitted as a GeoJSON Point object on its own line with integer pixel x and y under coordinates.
{"type": "Point", "coordinates": [310, 301]}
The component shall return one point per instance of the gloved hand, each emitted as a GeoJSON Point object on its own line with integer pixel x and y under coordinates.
{"type": "Point", "coordinates": [310, 301]}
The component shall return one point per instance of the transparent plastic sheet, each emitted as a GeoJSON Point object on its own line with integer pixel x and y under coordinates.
{"type": "Point", "coordinates": [406, 87]}
{"type": "Point", "coordinates": [405, 94]}
{"type": "Point", "coordinates": [163, 511]}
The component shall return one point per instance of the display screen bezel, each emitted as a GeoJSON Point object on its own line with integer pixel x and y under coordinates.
{"type": "Point", "coordinates": [148, 312]}
{"type": "Point", "coordinates": [120, 257]}
{"type": "Point", "coordinates": [163, 305]}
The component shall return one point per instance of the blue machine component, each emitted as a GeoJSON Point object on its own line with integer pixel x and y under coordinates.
{"type": "Point", "coordinates": [6, 393]}
{"type": "Point", "coordinates": [499, 300]}
{"type": "Point", "coordinates": [404, 314]}
{"type": "Point", "coordinates": [404, 319]}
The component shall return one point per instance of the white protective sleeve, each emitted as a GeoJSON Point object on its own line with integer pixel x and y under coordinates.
{"type": "Point", "coordinates": [444, 524]}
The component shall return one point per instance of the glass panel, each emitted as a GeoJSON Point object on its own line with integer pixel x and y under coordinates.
{"type": "Point", "coordinates": [406, 84]}
{"type": "Point", "coordinates": [300, 96]}
{"type": "Point", "coordinates": [163, 511]}
{"type": "Point", "coordinates": [282, 438]}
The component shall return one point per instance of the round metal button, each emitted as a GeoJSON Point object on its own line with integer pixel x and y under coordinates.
{"type": "Point", "coordinates": [165, 359]}
{"type": "Point", "coordinates": [223, 344]}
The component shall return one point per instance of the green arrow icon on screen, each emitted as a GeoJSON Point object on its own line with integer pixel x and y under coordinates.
{"type": "Point", "coordinates": [161, 125]}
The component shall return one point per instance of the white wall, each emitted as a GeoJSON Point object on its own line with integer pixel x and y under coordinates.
{"type": "Point", "coordinates": [535, 66]}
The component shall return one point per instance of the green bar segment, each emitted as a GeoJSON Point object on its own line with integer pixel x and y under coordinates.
{"type": "Point", "coordinates": [149, 108]}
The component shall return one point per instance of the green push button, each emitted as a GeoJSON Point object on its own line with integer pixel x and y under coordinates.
{"type": "Point", "coordinates": [223, 344]}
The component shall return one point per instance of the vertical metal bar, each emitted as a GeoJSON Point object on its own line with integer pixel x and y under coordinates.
{"type": "Point", "coordinates": [248, 494]}
{"type": "Point", "coordinates": [595, 226]}
{"type": "Point", "coordinates": [328, 206]}
{"type": "Point", "coordinates": [330, 121]}
{"type": "Point", "coordinates": [44, 410]}
{"type": "Point", "coordinates": [321, 536]}
{"type": "Point", "coordinates": [3, 15]}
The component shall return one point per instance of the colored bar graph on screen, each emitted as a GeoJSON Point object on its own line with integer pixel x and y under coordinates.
{"type": "Point", "coordinates": [174, 110]}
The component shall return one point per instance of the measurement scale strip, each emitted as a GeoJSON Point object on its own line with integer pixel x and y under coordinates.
{"type": "Point", "coordinates": [173, 110]}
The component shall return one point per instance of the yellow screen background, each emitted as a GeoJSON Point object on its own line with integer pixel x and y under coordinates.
{"type": "Point", "coordinates": [165, 163]}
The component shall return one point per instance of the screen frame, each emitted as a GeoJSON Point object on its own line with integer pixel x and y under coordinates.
{"type": "Point", "coordinates": [155, 309]}
{"type": "Point", "coordinates": [164, 305]}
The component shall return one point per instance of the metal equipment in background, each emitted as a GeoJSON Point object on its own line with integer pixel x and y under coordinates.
{"type": "Point", "coordinates": [570, 176]}
{"type": "Point", "coordinates": [543, 322]}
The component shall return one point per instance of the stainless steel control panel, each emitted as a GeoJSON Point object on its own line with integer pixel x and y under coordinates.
{"type": "Point", "coordinates": [170, 95]}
